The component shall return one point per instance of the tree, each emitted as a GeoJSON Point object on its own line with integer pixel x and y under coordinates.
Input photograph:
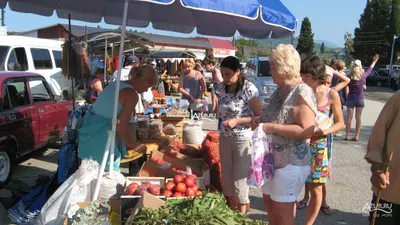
{"type": "Point", "coordinates": [395, 17]}
{"type": "Point", "coordinates": [348, 48]}
{"type": "Point", "coordinates": [374, 35]}
{"type": "Point", "coordinates": [305, 45]}
{"type": "Point", "coordinates": [241, 44]}
{"type": "Point", "coordinates": [322, 49]}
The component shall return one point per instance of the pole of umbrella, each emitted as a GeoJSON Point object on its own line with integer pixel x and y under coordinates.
{"type": "Point", "coordinates": [109, 148]}
{"type": "Point", "coordinates": [118, 81]}
{"type": "Point", "coordinates": [70, 62]}
{"type": "Point", "coordinates": [105, 61]}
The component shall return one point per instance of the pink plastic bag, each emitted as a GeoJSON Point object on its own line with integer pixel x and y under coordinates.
{"type": "Point", "coordinates": [261, 168]}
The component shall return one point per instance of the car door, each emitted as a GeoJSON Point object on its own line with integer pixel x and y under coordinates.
{"type": "Point", "coordinates": [44, 104]}
{"type": "Point", "coordinates": [19, 119]}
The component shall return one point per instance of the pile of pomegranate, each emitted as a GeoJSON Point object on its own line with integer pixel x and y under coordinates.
{"type": "Point", "coordinates": [182, 185]}
{"type": "Point", "coordinates": [139, 189]}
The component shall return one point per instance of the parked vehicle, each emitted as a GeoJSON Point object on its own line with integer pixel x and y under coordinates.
{"type": "Point", "coordinates": [258, 71]}
{"type": "Point", "coordinates": [41, 56]}
{"type": "Point", "coordinates": [30, 117]}
{"type": "Point", "coordinates": [379, 77]}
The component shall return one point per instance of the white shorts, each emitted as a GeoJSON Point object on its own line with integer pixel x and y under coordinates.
{"type": "Point", "coordinates": [287, 183]}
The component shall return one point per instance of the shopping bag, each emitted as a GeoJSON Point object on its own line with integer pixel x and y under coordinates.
{"type": "Point", "coordinates": [261, 168]}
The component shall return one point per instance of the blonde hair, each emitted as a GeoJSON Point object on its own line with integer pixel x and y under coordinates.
{"type": "Point", "coordinates": [143, 72]}
{"type": "Point", "coordinates": [340, 65]}
{"type": "Point", "coordinates": [356, 72]}
{"type": "Point", "coordinates": [190, 63]}
{"type": "Point", "coordinates": [286, 60]}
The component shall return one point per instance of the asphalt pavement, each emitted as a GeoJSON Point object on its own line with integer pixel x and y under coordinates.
{"type": "Point", "coordinates": [347, 194]}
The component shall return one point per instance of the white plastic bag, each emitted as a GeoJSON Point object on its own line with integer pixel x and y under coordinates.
{"type": "Point", "coordinates": [110, 187]}
{"type": "Point", "coordinates": [78, 188]}
{"type": "Point", "coordinates": [261, 168]}
{"type": "Point", "coordinates": [193, 132]}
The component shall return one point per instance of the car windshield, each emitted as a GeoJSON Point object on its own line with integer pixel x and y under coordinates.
{"type": "Point", "coordinates": [263, 68]}
{"type": "Point", "coordinates": [3, 55]}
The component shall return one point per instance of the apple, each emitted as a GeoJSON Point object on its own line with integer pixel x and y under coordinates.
{"type": "Point", "coordinates": [145, 185]}
{"type": "Point", "coordinates": [154, 190]}
{"type": "Point", "coordinates": [140, 191]}
{"type": "Point", "coordinates": [181, 187]}
{"type": "Point", "coordinates": [131, 189]}
{"type": "Point", "coordinates": [178, 179]}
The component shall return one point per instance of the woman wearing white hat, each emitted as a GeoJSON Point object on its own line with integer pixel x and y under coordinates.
{"type": "Point", "coordinates": [355, 98]}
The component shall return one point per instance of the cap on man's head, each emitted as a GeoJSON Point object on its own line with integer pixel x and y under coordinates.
{"type": "Point", "coordinates": [153, 63]}
{"type": "Point", "coordinates": [133, 58]}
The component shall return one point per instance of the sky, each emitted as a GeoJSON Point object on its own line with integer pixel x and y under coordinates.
{"type": "Point", "coordinates": [330, 20]}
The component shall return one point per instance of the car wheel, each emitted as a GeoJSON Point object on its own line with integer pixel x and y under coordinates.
{"type": "Point", "coordinates": [379, 83]}
{"type": "Point", "coordinates": [5, 167]}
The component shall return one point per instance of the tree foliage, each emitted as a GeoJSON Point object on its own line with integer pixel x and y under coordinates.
{"type": "Point", "coordinates": [246, 48]}
{"type": "Point", "coordinates": [374, 34]}
{"type": "Point", "coordinates": [305, 45]}
{"type": "Point", "coordinates": [322, 49]}
{"type": "Point", "coordinates": [348, 48]}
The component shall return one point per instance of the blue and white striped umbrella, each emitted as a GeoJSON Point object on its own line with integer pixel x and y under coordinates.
{"type": "Point", "coordinates": [252, 18]}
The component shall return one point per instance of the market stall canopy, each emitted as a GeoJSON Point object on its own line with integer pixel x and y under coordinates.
{"type": "Point", "coordinates": [97, 40]}
{"type": "Point", "coordinates": [251, 18]}
{"type": "Point", "coordinates": [172, 55]}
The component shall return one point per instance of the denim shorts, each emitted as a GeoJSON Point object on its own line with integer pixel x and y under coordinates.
{"type": "Point", "coordinates": [355, 103]}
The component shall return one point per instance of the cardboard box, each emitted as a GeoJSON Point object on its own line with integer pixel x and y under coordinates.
{"type": "Point", "coordinates": [198, 166]}
{"type": "Point", "coordinates": [150, 169]}
{"type": "Point", "coordinates": [128, 202]}
{"type": "Point", "coordinates": [133, 206]}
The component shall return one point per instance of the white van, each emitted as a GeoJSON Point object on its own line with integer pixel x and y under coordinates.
{"type": "Point", "coordinates": [41, 56]}
{"type": "Point", "coordinates": [258, 71]}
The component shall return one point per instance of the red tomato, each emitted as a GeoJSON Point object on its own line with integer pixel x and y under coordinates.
{"type": "Point", "coordinates": [170, 186]}
{"type": "Point", "coordinates": [178, 179]}
{"type": "Point", "coordinates": [189, 182]}
{"type": "Point", "coordinates": [167, 193]}
{"type": "Point", "coordinates": [195, 188]}
{"type": "Point", "coordinates": [181, 187]}
{"type": "Point", "coordinates": [177, 194]}
{"type": "Point", "coordinates": [190, 192]}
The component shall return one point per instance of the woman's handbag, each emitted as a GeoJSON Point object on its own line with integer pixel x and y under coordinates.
{"type": "Point", "coordinates": [261, 168]}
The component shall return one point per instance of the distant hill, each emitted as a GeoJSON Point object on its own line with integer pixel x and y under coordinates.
{"type": "Point", "coordinates": [317, 43]}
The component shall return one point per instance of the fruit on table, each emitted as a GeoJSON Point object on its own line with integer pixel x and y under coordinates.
{"type": "Point", "coordinates": [189, 182]}
{"type": "Point", "coordinates": [131, 189]}
{"type": "Point", "coordinates": [181, 187]}
{"type": "Point", "coordinates": [190, 192]}
{"type": "Point", "coordinates": [170, 186]}
{"type": "Point", "coordinates": [136, 189]}
{"type": "Point", "coordinates": [154, 190]}
{"type": "Point", "coordinates": [177, 194]}
{"type": "Point", "coordinates": [178, 179]}
{"type": "Point", "coordinates": [167, 193]}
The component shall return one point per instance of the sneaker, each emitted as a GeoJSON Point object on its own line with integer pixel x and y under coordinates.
{"type": "Point", "coordinates": [338, 135]}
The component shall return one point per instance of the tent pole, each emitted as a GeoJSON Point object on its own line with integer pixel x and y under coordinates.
{"type": "Point", "coordinates": [69, 62]}
{"type": "Point", "coordinates": [105, 61]}
{"type": "Point", "coordinates": [109, 148]}
{"type": "Point", "coordinates": [118, 81]}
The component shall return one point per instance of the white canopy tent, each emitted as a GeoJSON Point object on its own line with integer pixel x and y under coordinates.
{"type": "Point", "coordinates": [251, 18]}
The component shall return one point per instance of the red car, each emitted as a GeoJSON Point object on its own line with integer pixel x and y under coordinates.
{"type": "Point", "coordinates": [30, 117]}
